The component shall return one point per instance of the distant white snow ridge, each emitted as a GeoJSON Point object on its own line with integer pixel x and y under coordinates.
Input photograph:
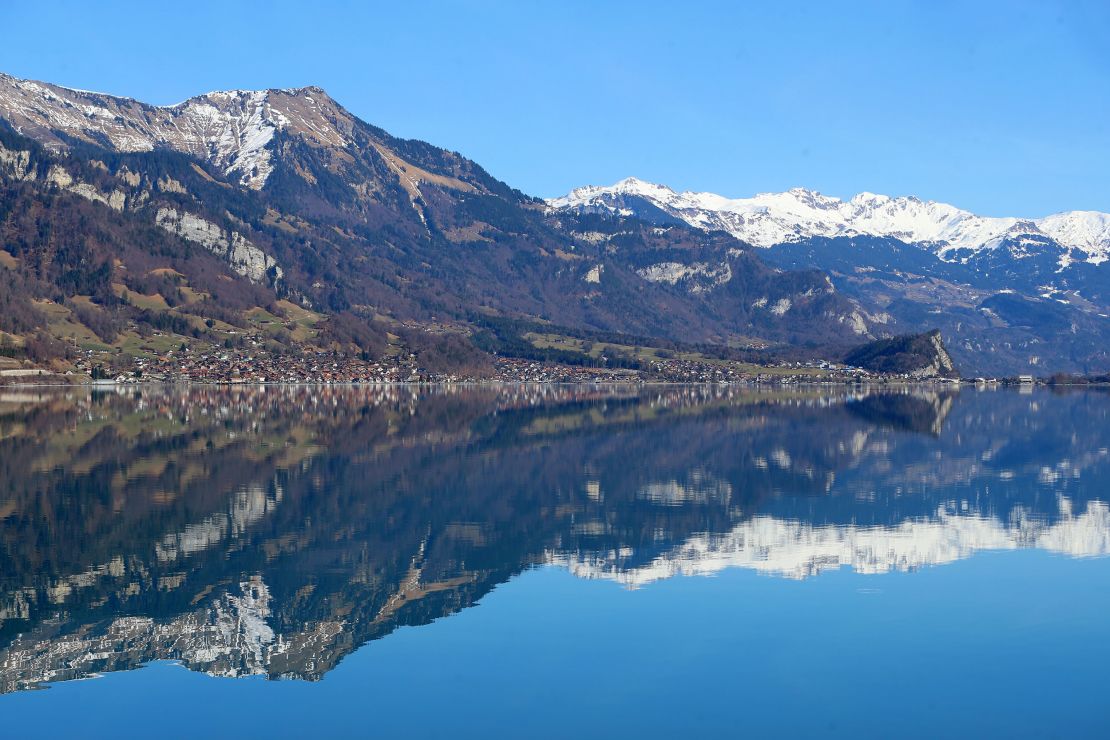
{"type": "Point", "coordinates": [767, 219]}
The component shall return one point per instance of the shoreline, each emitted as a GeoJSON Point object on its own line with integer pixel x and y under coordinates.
{"type": "Point", "coordinates": [477, 382]}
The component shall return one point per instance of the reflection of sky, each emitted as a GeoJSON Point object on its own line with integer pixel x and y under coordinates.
{"type": "Point", "coordinates": [1010, 645]}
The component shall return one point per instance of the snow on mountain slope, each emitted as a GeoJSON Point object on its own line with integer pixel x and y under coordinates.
{"type": "Point", "coordinates": [767, 219]}
{"type": "Point", "coordinates": [231, 130]}
{"type": "Point", "coordinates": [1088, 231]}
{"type": "Point", "coordinates": [798, 550]}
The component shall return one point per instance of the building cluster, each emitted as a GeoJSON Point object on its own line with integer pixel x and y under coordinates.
{"type": "Point", "coordinates": [251, 366]}
{"type": "Point", "coordinates": [679, 371]}
{"type": "Point", "coordinates": [239, 366]}
{"type": "Point", "coordinates": [512, 370]}
{"type": "Point", "coordinates": [710, 371]}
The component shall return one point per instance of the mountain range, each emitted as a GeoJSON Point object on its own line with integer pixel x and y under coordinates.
{"type": "Point", "coordinates": [769, 219]}
{"type": "Point", "coordinates": [1007, 292]}
{"type": "Point", "coordinates": [119, 219]}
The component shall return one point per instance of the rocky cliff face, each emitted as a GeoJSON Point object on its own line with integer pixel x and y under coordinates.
{"type": "Point", "coordinates": [917, 355]}
{"type": "Point", "coordinates": [244, 258]}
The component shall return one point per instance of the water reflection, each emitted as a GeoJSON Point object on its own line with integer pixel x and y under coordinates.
{"type": "Point", "coordinates": [272, 531]}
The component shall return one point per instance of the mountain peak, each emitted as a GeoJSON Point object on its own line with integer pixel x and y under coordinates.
{"type": "Point", "coordinates": [629, 182]}
{"type": "Point", "coordinates": [627, 186]}
{"type": "Point", "coordinates": [230, 129]}
{"type": "Point", "coordinates": [310, 91]}
{"type": "Point", "coordinates": [866, 198]}
{"type": "Point", "coordinates": [636, 185]}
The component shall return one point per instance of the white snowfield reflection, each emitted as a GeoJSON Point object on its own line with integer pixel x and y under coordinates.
{"type": "Point", "coordinates": [794, 549]}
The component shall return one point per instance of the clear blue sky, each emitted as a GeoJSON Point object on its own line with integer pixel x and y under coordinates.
{"type": "Point", "coordinates": [1002, 108]}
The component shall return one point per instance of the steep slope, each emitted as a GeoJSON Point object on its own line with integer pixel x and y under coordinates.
{"type": "Point", "coordinates": [301, 199]}
{"type": "Point", "coordinates": [917, 355]}
{"type": "Point", "coordinates": [80, 267]}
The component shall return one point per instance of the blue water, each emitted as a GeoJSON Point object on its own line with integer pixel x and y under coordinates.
{"type": "Point", "coordinates": [1003, 636]}
{"type": "Point", "coordinates": [964, 650]}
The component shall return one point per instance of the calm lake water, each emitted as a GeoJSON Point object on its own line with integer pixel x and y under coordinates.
{"type": "Point", "coordinates": [554, 562]}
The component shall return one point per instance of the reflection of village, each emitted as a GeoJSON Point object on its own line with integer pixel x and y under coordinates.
{"type": "Point", "coordinates": [272, 530]}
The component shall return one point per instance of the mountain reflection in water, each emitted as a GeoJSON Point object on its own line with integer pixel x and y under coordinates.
{"type": "Point", "coordinates": [273, 531]}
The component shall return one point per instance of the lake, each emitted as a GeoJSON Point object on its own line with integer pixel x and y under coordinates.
{"type": "Point", "coordinates": [554, 561]}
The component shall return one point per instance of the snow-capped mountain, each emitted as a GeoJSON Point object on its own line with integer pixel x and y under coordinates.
{"type": "Point", "coordinates": [230, 130]}
{"type": "Point", "coordinates": [292, 193]}
{"type": "Point", "coordinates": [767, 219]}
{"type": "Point", "coordinates": [295, 194]}
{"type": "Point", "coordinates": [1005, 292]}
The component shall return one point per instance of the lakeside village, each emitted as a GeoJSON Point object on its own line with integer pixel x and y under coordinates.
{"type": "Point", "coordinates": [233, 366]}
